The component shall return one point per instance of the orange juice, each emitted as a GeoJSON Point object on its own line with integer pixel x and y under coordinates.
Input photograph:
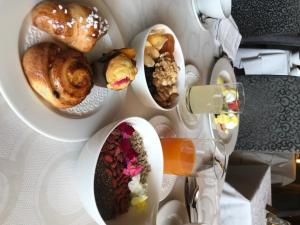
{"type": "Point", "coordinates": [179, 156]}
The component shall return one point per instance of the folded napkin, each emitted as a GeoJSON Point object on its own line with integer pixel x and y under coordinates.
{"type": "Point", "coordinates": [263, 61]}
{"type": "Point", "coordinates": [245, 195]}
{"type": "Point", "coordinates": [235, 208]}
{"type": "Point", "coordinates": [295, 72]}
{"type": "Point", "coordinates": [226, 35]}
{"type": "Point", "coordinates": [283, 164]}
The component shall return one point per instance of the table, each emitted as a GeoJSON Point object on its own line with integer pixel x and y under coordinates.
{"type": "Point", "coordinates": [36, 173]}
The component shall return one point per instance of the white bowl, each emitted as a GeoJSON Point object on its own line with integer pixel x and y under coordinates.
{"type": "Point", "coordinates": [139, 85]}
{"type": "Point", "coordinates": [87, 165]}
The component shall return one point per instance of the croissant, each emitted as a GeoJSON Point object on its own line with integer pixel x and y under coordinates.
{"type": "Point", "coordinates": [61, 77]}
{"type": "Point", "coordinates": [76, 25]}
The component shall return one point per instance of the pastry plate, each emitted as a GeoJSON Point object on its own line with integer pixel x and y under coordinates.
{"type": "Point", "coordinates": [163, 127]}
{"type": "Point", "coordinates": [224, 69]}
{"type": "Point", "coordinates": [172, 213]}
{"type": "Point", "coordinates": [75, 124]}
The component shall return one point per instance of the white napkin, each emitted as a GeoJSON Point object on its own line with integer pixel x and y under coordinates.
{"type": "Point", "coordinates": [295, 59]}
{"type": "Point", "coordinates": [263, 61]}
{"type": "Point", "coordinates": [235, 208]}
{"type": "Point", "coordinates": [229, 37]}
{"type": "Point", "coordinates": [226, 35]}
{"type": "Point", "coordinates": [283, 164]}
{"type": "Point", "coordinates": [246, 194]}
{"type": "Point", "coordinates": [295, 72]}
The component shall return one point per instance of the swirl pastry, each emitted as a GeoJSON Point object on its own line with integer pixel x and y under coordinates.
{"type": "Point", "coordinates": [62, 77]}
{"type": "Point", "coordinates": [76, 25]}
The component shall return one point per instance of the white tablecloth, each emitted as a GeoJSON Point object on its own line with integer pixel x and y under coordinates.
{"type": "Point", "coordinates": [36, 173]}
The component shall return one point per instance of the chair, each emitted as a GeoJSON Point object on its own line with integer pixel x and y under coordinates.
{"type": "Point", "coordinates": [264, 23]}
{"type": "Point", "coordinates": [270, 121]}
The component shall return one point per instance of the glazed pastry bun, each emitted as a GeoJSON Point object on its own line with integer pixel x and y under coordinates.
{"type": "Point", "coordinates": [118, 67]}
{"type": "Point", "coordinates": [76, 25]}
{"type": "Point", "coordinates": [61, 77]}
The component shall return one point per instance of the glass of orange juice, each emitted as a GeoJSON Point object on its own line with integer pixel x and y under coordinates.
{"type": "Point", "coordinates": [189, 156]}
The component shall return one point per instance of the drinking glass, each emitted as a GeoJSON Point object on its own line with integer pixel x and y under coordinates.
{"type": "Point", "coordinates": [215, 98]}
{"type": "Point", "coordinates": [227, 98]}
{"type": "Point", "coordinates": [189, 156]}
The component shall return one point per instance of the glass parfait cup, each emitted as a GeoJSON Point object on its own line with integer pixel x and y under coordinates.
{"type": "Point", "coordinates": [227, 99]}
{"type": "Point", "coordinates": [215, 98]}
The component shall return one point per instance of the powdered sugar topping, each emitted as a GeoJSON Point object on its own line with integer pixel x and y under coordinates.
{"type": "Point", "coordinates": [93, 20]}
{"type": "Point", "coordinates": [97, 22]}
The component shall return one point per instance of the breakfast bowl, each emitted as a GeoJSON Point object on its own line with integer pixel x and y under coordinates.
{"type": "Point", "coordinates": [161, 71]}
{"type": "Point", "coordinates": [93, 196]}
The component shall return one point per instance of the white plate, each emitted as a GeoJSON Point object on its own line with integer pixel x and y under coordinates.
{"type": "Point", "coordinates": [75, 124]}
{"type": "Point", "coordinates": [163, 127]}
{"type": "Point", "coordinates": [224, 69]}
{"type": "Point", "coordinates": [172, 213]}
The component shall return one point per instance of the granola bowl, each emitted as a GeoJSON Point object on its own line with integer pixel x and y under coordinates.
{"type": "Point", "coordinates": [88, 168]}
{"type": "Point", "coordinates": [161, 68]}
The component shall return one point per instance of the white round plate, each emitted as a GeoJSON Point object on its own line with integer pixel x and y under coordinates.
{"type": "Point", "coordinates": [224, 69]}
{"type": "Point", "coordinates": [75, 124]}
{"type": "Point", "coordinates": [163, 127]}
{"type": "Point", "coordinates": [172, 213]}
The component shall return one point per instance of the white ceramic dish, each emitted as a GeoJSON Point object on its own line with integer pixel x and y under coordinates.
{"type": "Point", "coordinates": [172, 213]}
{"type": "Point", "coordinates": [163, 127]}
{"type": "Point", "coordinates": [87, 165]}
{"type": "Point", "coordinates": [224, 69]}
{"type": "Point", "coordinates": [75, 124]}
{"type": "Point", "coordinates": [214, 8]}
{"type": "Point", "coordinates": [139, 85]}
{"type": "Point", "coordinates": [197, 14]}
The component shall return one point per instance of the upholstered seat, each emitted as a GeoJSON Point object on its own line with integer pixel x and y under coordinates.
{"type": "Point", "coordinates": [270, 121]}
{"type": "Point", "coordinates": [273, 23]}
